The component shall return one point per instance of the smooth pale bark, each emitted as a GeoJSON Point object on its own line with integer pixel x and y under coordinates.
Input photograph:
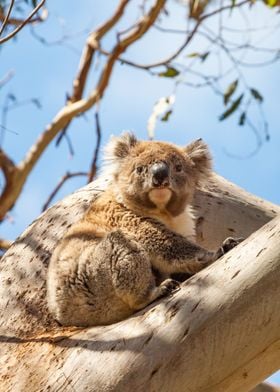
{"type": "Point", "coordinates": [219, 333]}
{"type": "Point", "coordinates": [266, 387]}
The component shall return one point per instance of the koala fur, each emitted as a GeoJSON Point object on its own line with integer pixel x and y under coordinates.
{"type": "Point", "coordinates": [102, 270]}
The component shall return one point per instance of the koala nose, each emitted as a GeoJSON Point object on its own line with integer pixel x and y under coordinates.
{"type": "Point", "coordinates": [160, 174]}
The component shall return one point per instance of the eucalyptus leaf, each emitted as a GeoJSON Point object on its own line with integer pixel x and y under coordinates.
{"type": "Point", "coordinates": [232, 108]}
{"type": "Point", "coordinates": [204, 56]}
{"type": "Point", "coordinates": [229, 91]}
{"type": "Point", "coordinates": [37, 103]}
{"type": "Point", "coordinates": [170, 72]}
{"type": "Point", "coordinates": [242, 119]}
{"type": "Point", "coordinates": [256, 94]}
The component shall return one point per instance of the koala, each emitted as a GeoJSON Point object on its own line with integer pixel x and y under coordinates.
{"type": "Point", "coordinates": [102, 271]}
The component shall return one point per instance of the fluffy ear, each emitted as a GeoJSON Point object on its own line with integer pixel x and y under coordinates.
{"type": "Point", "coordinates": [200, 157]}
{"type": "Point", "coordinates": [119, 146]}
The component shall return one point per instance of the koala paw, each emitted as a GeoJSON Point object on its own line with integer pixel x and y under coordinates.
{"type": "Point", "coordinates": [168, 286]}
{"type": "Point", "coordinates": [230, 243]}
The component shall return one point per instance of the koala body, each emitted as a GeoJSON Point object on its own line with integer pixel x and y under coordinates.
{"type": "Point", "coordinates": [102, 270]}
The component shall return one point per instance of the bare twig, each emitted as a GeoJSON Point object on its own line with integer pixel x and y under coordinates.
{"type": "Point", "coordinates": [6, 78]}
{"type": "Point", "coordinates": [190, 36]}
{"type": "Point", "coordinates": [26, 21]}
{"type": "Point", "coordinates": [17, 21]}
{"type": "Point", "coordinates": [93, 167]}
{"type": "Point", "coordinates": [62, 181]}
{"type": "Point", "coordinates": [6, 19]}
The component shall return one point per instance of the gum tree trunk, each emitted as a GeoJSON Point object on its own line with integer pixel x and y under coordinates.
{"type": "Point", "coordinates": [219, 333]}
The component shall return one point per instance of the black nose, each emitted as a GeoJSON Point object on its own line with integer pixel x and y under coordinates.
{"type": "Point", "coordinates": [160, 174]}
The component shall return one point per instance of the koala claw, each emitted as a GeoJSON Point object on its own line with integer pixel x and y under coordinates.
{"type": "Point", "coordinates": [169, 285]}
{"type": "Point", "coordinates": [230, 243]}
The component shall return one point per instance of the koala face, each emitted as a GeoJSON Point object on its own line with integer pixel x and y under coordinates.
{"type": "Point", "coordinates": [151, 175]}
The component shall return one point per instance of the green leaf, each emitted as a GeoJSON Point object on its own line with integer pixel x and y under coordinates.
{"type": "Point", "coordinates": [34, 3]}
{"type": "Point", "coordinates": [229, 91]}
{"type": "Point", "coordinates": [232, 108]}
{"type": "Point", "coordinates": [242, 119]}
{"type": "Point", "coordinates": [166, 116]}
{"type": "Point", "coordinates": [256, 94]}
{"type": "Point", "coordinates": [202, 56]}
{"type": "Point", "coordinates": [194, 54]}
{"type": "Point", "coordinates": [170, 72]}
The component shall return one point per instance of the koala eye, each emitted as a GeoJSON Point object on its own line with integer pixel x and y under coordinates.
{"type": "Point", "coordinates": [178, 167]}
{"type": "Point", "coordinates": [139, 169]}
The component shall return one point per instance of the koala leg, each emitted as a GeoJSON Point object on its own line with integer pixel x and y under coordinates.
{"type": "Point", "coordinates": [132, 274]}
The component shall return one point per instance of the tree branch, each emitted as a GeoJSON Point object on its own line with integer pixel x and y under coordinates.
{"type": "Point", "coordinates": [73, 109]}
{"type": "Point", "coordinates": [93, 168]}
{"type": "Point", "coordinates": [91, 45]}
{"type": "Point", "coordinates": [6, 19]}
{"type": "Point", "coordinates": [17, 21]}
{"type": "Point", "coordinates": [186, 342]}
{"type": "Point", "coordinates": [26, 21]}
{"type": "Point", "coordinates": [190, 36]}
{"type": "Point", "coordinates": [64, 178]}
{"type": "Point", "coordinates": [6, 78]}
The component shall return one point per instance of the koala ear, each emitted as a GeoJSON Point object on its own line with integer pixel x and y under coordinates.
{"type": "Point", "coordinates": [120, 146]}
{"type": "Point", "coordinates": [200, 157]}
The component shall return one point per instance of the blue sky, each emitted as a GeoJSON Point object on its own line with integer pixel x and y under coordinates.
{"type": "Point", "coordinates": [46, 73]}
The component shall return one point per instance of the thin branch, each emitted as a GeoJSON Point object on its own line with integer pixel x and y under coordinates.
{"type": "Point", "coordinates": [87, 56]}
{"type": "Point", "coordinates": [68, 112]}
{"type": "Point", "coordinates": [184, 45]}
{"type": "Point", "coordinates": [76, 108]}
{"type": "Point", "coordinates": [89, 50]}
{"type": "Point", "coordinates": [17, 22]}
{"type": "Point", "coordinates": [26, 21]}
{"type": "Point", "coordinates": [64, 178]}
{"type": "Point", "coordinates": [6, 78]}
{"type": "Point", "coordinates": [6, 19]}
{"type": "Point", "coordinates": [93, 167]}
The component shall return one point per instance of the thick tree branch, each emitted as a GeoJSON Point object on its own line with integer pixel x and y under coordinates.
{"type": "Point", "coordinates": [266, 387]}
{"type": "Point", "coordinates": [67, 113]}
{"type": "Point", "coordinates": [219, 333]}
